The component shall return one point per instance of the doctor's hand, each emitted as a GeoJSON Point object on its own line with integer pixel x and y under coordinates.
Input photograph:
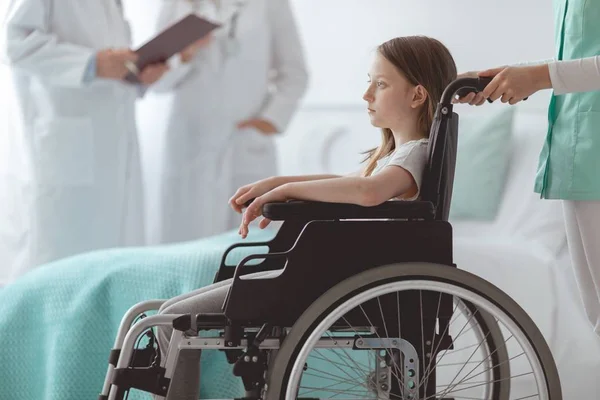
{"type": "Point", "coordinates": [513, 84]}
{"type": "Point", "coordinates": [190, 52]}
{"type": "Point", "coordinates": [262, 125]}
{"type": "Point", "coordinates": [252, 191]}
{"type": "Point", "coordinates": [254, 210]}
{"type": "Point", "coordinates": [152, 73]}
{"type": "Point", "coordinates": [110, 64]}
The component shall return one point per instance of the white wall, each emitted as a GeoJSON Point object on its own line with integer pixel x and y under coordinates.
{"type": "Point", "coordinates": [340, 35]}
{"type": "Point", "coordinates": [5, 98]}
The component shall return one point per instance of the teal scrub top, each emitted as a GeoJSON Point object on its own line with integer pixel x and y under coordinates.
{"type": "Point", "coordinates": [569, 163]}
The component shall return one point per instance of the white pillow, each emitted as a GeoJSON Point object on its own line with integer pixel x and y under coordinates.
{"type": "Point", "coordinates": [482, 161]}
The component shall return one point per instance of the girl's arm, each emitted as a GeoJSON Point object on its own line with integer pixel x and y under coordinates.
{"type": "Point", "coordinates": [364, 191]}
{"type": "Point", "coordinates": [256, 189]}
{"type": "Point", "coordinates": [392, 181]}
{"type": "Point", "coordinates": [306, 178]}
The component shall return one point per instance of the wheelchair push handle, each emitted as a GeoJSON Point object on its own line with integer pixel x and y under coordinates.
{"type": "Point", "coordinates": [478, 84]}
{"type": "Point", "coordinates": [473, 85]}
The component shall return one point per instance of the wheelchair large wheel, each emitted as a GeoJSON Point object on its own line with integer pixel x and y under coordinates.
{"type": "Point", "coordinates": [358, 355]}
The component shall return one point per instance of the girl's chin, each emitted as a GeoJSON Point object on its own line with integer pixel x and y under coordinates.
{"type": "Point", "coordinates": [374, 121]}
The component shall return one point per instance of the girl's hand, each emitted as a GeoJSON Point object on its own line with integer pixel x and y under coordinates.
{"type": "Point", "coordinates": [254, 210]}
{"type": "Point", "coordinates": [251, 191]}
{"type": "Point", "coordinates": [513, 84]}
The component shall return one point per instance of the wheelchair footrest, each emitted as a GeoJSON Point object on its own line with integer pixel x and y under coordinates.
{"type": "Point", "coordinates": [150, 380]}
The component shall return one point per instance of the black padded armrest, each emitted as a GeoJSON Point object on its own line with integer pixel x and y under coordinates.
{"type": "Point", "coordinates": [313, 210]}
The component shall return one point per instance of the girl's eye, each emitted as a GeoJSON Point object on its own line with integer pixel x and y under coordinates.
{"type": "Point", "coordinates": [380, 84]}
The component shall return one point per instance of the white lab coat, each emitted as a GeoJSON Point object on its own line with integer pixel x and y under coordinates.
{"type": "Point", "coordinates": [72, 180]}
{"type": "Point", "coordinates": [204, 157]}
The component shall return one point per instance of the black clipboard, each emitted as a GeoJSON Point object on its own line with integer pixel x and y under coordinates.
{"type": "Point", "coordinates": [171, 41]}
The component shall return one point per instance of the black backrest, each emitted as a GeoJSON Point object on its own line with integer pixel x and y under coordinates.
{"type": "Point", "coordinates": [438, 178]}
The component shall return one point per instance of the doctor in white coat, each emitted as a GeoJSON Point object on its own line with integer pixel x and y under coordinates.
{"type": "Point", "coordinates": [229, 97]}
{"type": "Point", "coordinates": [71, 178]}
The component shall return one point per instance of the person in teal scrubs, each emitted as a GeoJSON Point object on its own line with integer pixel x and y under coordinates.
{"type": "Point", "coordinates": [569, 163]}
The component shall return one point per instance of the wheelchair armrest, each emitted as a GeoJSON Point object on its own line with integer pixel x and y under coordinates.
{"type": "Point", "coordinates": [225, 270]}
{"type": "Point", "coordinates": [283, 240]}
{"type": "Point", "coordinates": [313, 210]}
{"type": "Point", "coordinates": [237, 246]}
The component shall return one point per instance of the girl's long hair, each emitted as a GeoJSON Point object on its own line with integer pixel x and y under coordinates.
{"type": "Point", "coordinates": [422, 61]}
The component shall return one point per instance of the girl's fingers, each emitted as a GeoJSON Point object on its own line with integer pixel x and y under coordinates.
{"type": "Point", "coordinates": [264, 223]}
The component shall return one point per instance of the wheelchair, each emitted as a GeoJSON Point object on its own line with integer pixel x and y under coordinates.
{"type": "Point", "coordinates": [367, 303]}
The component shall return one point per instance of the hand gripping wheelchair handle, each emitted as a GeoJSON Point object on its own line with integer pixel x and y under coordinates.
{"type": "Point", "coordinates": [476, 85]}
{"type": "Point", "coordinates": [473, 85]}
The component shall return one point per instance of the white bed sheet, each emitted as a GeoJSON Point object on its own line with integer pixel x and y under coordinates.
{"type": "Point", "coordinates": [542, 284]}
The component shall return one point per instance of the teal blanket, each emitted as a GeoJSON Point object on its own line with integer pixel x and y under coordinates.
{"type": "Point", "coordinates": [58, 323]}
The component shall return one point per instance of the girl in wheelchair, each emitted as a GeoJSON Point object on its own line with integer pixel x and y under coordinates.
{"type": "Point", "coordinates": [406, 82]}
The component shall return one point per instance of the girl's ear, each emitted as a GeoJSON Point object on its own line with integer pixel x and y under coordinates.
{"type": "Point", "coordinates": [419, 96]}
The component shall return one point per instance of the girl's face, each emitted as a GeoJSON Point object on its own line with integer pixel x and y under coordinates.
{"type": "Point", "coordinates": [390, 97]}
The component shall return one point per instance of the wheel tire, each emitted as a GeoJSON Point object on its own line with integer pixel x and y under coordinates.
{"type": "Point", "coordinates": [280, 370]}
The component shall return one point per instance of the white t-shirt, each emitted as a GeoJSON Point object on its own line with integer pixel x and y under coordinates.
{"type": "Point", "coordinates": [412, 156]}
